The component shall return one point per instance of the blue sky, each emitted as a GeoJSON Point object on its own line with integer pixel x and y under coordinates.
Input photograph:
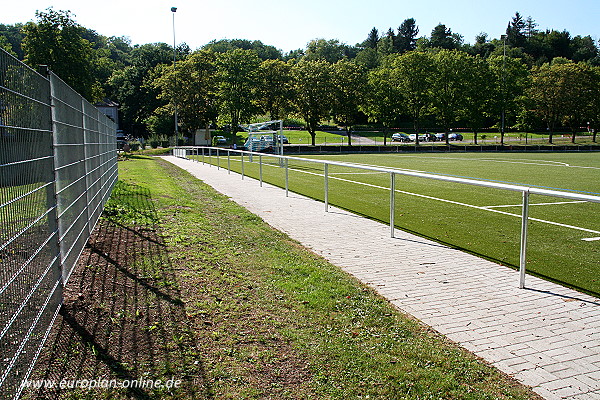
{"type": "Point", "coordinates": [289, 25]}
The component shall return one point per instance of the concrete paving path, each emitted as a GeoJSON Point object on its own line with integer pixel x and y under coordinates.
{"type": "Point", "coordinates": [546, 336]}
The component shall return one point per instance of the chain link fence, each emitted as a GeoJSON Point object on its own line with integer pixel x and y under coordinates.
{"type": "Point", "coordinates": [57, 169]}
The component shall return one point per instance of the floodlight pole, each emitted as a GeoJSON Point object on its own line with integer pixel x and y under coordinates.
{"type": "Point", "coordinates": [174, 10]}
{"type": "Point", "coordinates": [503, 88]}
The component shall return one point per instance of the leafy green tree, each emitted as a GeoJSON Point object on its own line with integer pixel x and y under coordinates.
{"type": "Point", "coordinates": [7, 46]}
{"type": "Point", "coordinates": [577, 87]}
{"type": "Point", "coordinates": [237, 72]}
{"type": "Point", "coordinates": [545, 93]}
{"type": "Point", "coordinates": [13, 37]}
{"type": "Point", "coordinates": [406, 40]}
{"type": "Point", "coordinates": [368, 58]}
{"type": "Point", "coordinates": [594, 108]}
{"type": "Point", "coordinates": [193, 84]}
{"type": "Point", "coordinates": [449, 86]}
{"type": "Point", "coordinates": [383, 101]}
{"type": "Point", "coordinates": [477, 94]}
{"type": "Point", "coordinates": [348, 87]}
{"type": "Point", "coordinates": [132, 87]}
{"type": "Point", "coordinates": [274, 90]}
{"type": "Point", "coordinates": [264, 52]}
{"type": "Point", "coordinates": [331, 50]}
{"type": "Point", "coordinates": [55, 40]}
{"type": "Point", "coordinates": [311, 83]}
{"type": "Point", "coordinates": [511, 78]}
{"type": "Point", "coordinates": [414, 73]}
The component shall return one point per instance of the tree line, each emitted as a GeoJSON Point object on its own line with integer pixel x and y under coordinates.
{"type": "Point", "coordinates": [526, 80]}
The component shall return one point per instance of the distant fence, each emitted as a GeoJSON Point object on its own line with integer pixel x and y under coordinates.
{"type": "Point", "coordinates": [57, 169]}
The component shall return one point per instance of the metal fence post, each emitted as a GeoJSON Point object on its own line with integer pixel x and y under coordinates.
{"type": "Point", "coordinates": [209, 157]}
{"type": "Point", "coordinates": [228, 162]}
{"type": "Point", "coordinates": [218, 160]}
{"type": "Point", "coordinates": [203, 156]}
{"type": "Point", "coordinates": [524, 221]}
{"type": "Point", "coordinates": [260, 169]}
{"type": "Point", "coordinates": [242, 166]}
{"type": "Point", "coordinates": [326, 175]}
{"type": "Point", "coordinates": [287, 179]}
{"type": "Point", "coordinates": [392, 201]}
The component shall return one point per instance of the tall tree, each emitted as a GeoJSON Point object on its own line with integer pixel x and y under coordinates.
{"type": "Point", "coordinates": [372, 39]}
{"type": "Point", "coordinates": [274, 90]}
{"type": "Point", "coordinates": [478, 94]}
{"type": "Point", "coordinates": [237, 70]}
{"type": "Point", "coordinates": [511, 78]}
{"type": "Point", "coordinates": [383, 101]}
{"type": "Point", "coordinates": [348, 86]}
{"type": "Point", "coordinates": [55, 40]}
{"type": "Point", "coordinates": [449, 86]}
{"type": "Point", "coordinates": [132, 86]}
{"type": "Point", "coordinates": [414, 72]}
{"type": "Point", "coordinates": [442, 37]}
{"type": "Point", "coordinates": [545, 92]}
{"type": "Point", "coordinates": [194, 84]}
{"type": "Point", "coordinates": [515, 32]}
{"type": "Point", "coordinates": [530, 28]}
{"type": "Point", "coordinates": [407, 36]}
{"type": "Point", "coordinates": [311, 83]}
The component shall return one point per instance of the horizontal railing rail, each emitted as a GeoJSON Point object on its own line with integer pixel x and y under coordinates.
{"type": "Point", "coordinates": [526, 191]}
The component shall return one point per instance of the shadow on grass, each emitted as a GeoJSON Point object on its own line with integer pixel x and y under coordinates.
{"type": "Point", "coordinates": [123, 318]}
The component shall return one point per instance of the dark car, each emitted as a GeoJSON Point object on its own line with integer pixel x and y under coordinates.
{"type": "Point", "coordinates": [401, 137]}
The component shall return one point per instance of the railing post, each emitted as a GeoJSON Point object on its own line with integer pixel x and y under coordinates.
{"type": "Point", "coordinates": [242, 166]}
{"type": "Point", "coordinates": [287, 179]}
{"type": "Point", "coordinates": [228, 162]}
{"type": "Point", "coordinates": [326, 175]}
{"type": "Point", "coordinates": [260, 168]}
{"type": "Point", "coordinates": [524, 223]}
{"type": "Point", "coordinates": [218, 160]}
{"type": "Point", "coordinates": [392, 201]}
{"type": "Point", "coordinates": [209, 157]}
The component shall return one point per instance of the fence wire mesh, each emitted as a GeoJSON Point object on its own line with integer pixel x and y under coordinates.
{"type": "Point", "coordinates": [57, 169]}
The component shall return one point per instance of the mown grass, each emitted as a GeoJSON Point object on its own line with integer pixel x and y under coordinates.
{"type": "Point", "coordinates": [274, 320]}
{"type": "Point", "coordinates": [555, 252]}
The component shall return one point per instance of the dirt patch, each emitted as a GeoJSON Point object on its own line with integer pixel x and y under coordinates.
{"type": "Point", "coordinates": [123, 319]}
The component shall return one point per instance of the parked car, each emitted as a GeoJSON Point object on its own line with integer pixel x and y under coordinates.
{"type": "Point", "coordinates": [427, 137]}
{"type": "Point", "coordinates": [440, 137]}
{"type": "Point", "coordinates": [455, 136]}
{"type": "Point", "coordinates": [283, 139]}
{"type": "Point", "coordinates": [220, 140]}
{"type": "Point", "coordinates": [401, 137]}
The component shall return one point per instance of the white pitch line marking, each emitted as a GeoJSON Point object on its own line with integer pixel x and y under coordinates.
{"type": "Point", "coordinates": [538, 204]}
{"type": "Point", "coordinates": [591, 239]}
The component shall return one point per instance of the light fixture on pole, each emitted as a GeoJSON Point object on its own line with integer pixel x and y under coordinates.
{"type": "Point", "coordinates": [503, 37]}
{"type": "Point", "coordinates": [174, 10]}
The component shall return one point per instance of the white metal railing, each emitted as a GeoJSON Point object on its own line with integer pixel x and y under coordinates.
{"type": "Point", "coordinates": [182, 152]}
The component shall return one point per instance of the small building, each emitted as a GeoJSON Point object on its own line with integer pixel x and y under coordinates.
{"type": "Point", "coordinates": [110, 109]}
{"type": "Point", "coordinates": [203, 137]}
